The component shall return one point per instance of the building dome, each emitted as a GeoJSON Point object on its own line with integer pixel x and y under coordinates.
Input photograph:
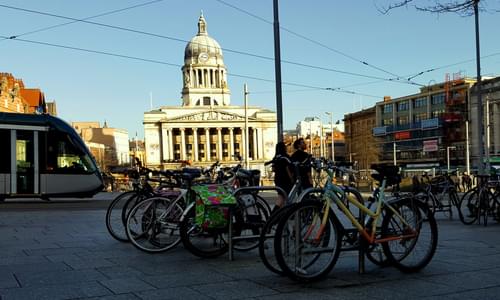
{"type": "Point", "coordinates": [202, 43]}
{"type": "Point", "coordinates": [204, 73]}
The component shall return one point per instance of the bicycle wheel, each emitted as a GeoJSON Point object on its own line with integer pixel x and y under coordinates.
{"type": "Point", "coordinates": [266, 240]}
{"type": "Point", "coordinates": [469, 207]}
{"type": "Point", "coordinates": [375, 252]}
{"type": "Point", "coordinates": [484, 206]}
{"type": "Point", "coordinates": [454, 202]}
{"type": "Point", "coordinates": [307, 245]}
{"type": "Point", "coordinates": [114, 215]}
{"type": "Point", "coordinates": [153, 224]}
{"type": "Point", "coordinates": [430, 200]}
{"type": "Point", "coordinates": [206, 243]}
{"type": "Point", "coordinates": [412, 234]}
{"type": "Point", "coordinates": [249, 220]}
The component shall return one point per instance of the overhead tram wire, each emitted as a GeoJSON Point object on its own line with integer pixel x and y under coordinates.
{"type": "Point", "coordinates": [397, 80]}
{"type": "Point", "coordinates": [311, 40]}
{"type": "Point", "coordinates": [178, 66]}
{"type": "Point", "coordinates": [84, 19]}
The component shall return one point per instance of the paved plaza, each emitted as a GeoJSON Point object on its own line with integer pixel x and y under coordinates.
{"type": "Point", "coordinates": [63, 251]}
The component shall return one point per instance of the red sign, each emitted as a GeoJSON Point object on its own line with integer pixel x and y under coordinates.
{"type": "Point", "coordinates": [403, 135]}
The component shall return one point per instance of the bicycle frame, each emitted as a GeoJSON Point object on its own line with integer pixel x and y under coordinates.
{"type": "Point", "coordinates": [332, 192]}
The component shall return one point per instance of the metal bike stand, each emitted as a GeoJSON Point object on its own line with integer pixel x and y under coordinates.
{"type": "Point", "coordinates": [361, 250]}
{"type": "Point", "coordinates": [238, 191]}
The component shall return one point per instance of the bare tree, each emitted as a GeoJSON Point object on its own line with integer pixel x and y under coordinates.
{"type": "Point", "coordinates": [460, 7]}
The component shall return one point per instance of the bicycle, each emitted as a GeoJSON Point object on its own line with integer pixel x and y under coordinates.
{"type": "Point", "coordinates": [349, 238]}
{"type": "Point", "coordinates": [480, 202]}
{"type": "Point", "coordinates": [118, 210]}
{"type": "Point", "coordinates": [154, 224]}
{"type": "Point", "coordinates": [308, 238]}
{"type": "Point", "coordinates": [440, 194]}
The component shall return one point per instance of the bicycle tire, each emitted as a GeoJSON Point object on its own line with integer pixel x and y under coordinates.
{"type": "Point", "coordinates": [200, 242]}
{"type": "Point", "coordinates": [469, 206]}
{"type": "Point", "coordinates": [153, 224]}
{"type": "Point", "coordinates": [404, 252]}
{"type": "Point", "coordinates": [246, 224]}
{"type": "Point", "coordinates": [266, 241]}
{"type": "Point", "coordinates": [115, 223]}
{"type": "Point", "coordinates": [324, 248]}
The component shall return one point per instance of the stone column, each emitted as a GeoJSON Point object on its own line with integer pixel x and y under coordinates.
{"type": "Point", "coordinates": [207, 144]}
{"type": "Point", "coordinates": [496, 128]}
{"type": "Point", "coordinates": [164, 143]}
{"type": "Point", "coordinates": [242, 144]}
{"type": "Point", "coordinates": [195, 144]}
{"type": "Point", "coordinates": [254, 142]}
{"type": "Point", "coordinates": [260, 143]}
{"type": "Point", "coordinates": [170, 143]}
{"type": "Point", "coordinates": [231, 144]}
{"type": "Point", "coordinates": [183, 144]}
{"type": "Point", "coordinates": [219, 143]}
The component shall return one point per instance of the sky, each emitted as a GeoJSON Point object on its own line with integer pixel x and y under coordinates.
{"type": "Point", "coordinates": [337, 56]}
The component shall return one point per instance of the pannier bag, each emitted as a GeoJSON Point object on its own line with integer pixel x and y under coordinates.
{"type": "Point", "coordinates": [212, 203]}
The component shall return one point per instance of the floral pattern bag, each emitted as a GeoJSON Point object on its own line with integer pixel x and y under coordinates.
{"type": "Point", "coordinates": [212, 203]}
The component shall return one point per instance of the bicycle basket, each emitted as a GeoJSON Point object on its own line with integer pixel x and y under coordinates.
{"type": "Point", "coordinates": [211, 205]}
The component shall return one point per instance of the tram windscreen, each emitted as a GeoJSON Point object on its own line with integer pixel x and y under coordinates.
{"type": "Point", "coordinates": [66, 156]}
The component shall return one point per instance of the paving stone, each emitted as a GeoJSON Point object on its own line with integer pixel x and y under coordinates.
{"type": "Point", "coordinates": [188, 278]}
{"type": "Point", "coordinates": [55, 292]}
{"type": "Point", "coordinates": [55, 278]}
{"type": "Point", "coordinates": [126, 285]}
{"type": "Point", "coordinates": [234, 290]}
{"type": "Point", "coordinates": [172, 293]}
{"type": "Point", "coordinates": [7, 280]}
{"type": "Point", "coordinates": [17, 260]}
{"type": "Point", "coordinates": [115, 297]}
{"type": "Point", "coordinates": [34, 268]}
{"type": "Point", "coordinates": [120, 272]}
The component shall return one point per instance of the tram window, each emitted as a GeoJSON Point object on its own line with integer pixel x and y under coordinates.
{"type": "Point", "coordinates": [64, 155]}
{"type": "Point", "coordinates": [5, 151]}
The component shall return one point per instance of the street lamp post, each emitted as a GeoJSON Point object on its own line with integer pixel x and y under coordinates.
{"type": "Point", "coordinates": [448, 155]}
{"type": "Point", "coordinates": [331, 127]}
{"type": "Point", "coordinates": [394, 152]}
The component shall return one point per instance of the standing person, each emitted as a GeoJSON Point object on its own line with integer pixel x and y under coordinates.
{"type": "Point", "coordinates": [282, 173]}
{"type": "Point", "coordinates": [300, 155]}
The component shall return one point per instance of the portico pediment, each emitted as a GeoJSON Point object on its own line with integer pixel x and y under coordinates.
{"type": "Point", "coordinates": [209, 115]}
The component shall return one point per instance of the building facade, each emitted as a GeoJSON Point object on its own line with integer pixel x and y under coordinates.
{"type": "Point", "coordinates": [15, 98]}
{"type": "Point", "coordinates": [115, 143]}
{"type": "Point", "coordinates": [206, 127]}
{"type": "Point", "coordinates": [428, 129]}
{"type": "Point", "coordinates": [491, 117]}
{"type": "Point", "coordinates": [361, 146]}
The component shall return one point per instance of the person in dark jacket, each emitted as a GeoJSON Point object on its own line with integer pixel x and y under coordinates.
{"type": "Point", "coordinates": [282, 172]}
{"type": "Point", "coordinates": [300, 155]}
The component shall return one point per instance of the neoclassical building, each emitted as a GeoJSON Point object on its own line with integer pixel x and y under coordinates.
{"type": "Point", "coordinates": [206, 127]}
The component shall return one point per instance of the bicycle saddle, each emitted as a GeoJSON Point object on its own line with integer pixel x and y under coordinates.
{"type": "Point", "coordinates": [389, 172]}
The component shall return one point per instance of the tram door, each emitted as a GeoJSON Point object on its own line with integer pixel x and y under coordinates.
{"type": "Point", "coordinates": [25, 170]}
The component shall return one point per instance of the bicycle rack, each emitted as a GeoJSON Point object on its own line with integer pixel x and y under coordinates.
{"type": "Point", "coordinates": [241, 190]}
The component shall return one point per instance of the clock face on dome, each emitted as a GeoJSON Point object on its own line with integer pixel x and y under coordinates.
{"type": "Point", "coordinates": [203, 57]}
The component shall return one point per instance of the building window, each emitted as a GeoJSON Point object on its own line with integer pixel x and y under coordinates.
{"type": "Point", "coordinates": [386, 122]}
{"type": "Point", "coordinates": [419, 117]}
{"type": "Point", "coordinates": [403, 120]}
{"type": "Point", "coordinates": [403, 106]}
{"type": "Point", "coordinates": [437, 99]}
{"type": "Point", "coordinates": [387, 108]}
{"type": "Point", "coordinates": [420, 102]}
{"type": "Point", "coordinates": [206, 100]}
{"type": "Point", "coordinates": [437, 113]}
